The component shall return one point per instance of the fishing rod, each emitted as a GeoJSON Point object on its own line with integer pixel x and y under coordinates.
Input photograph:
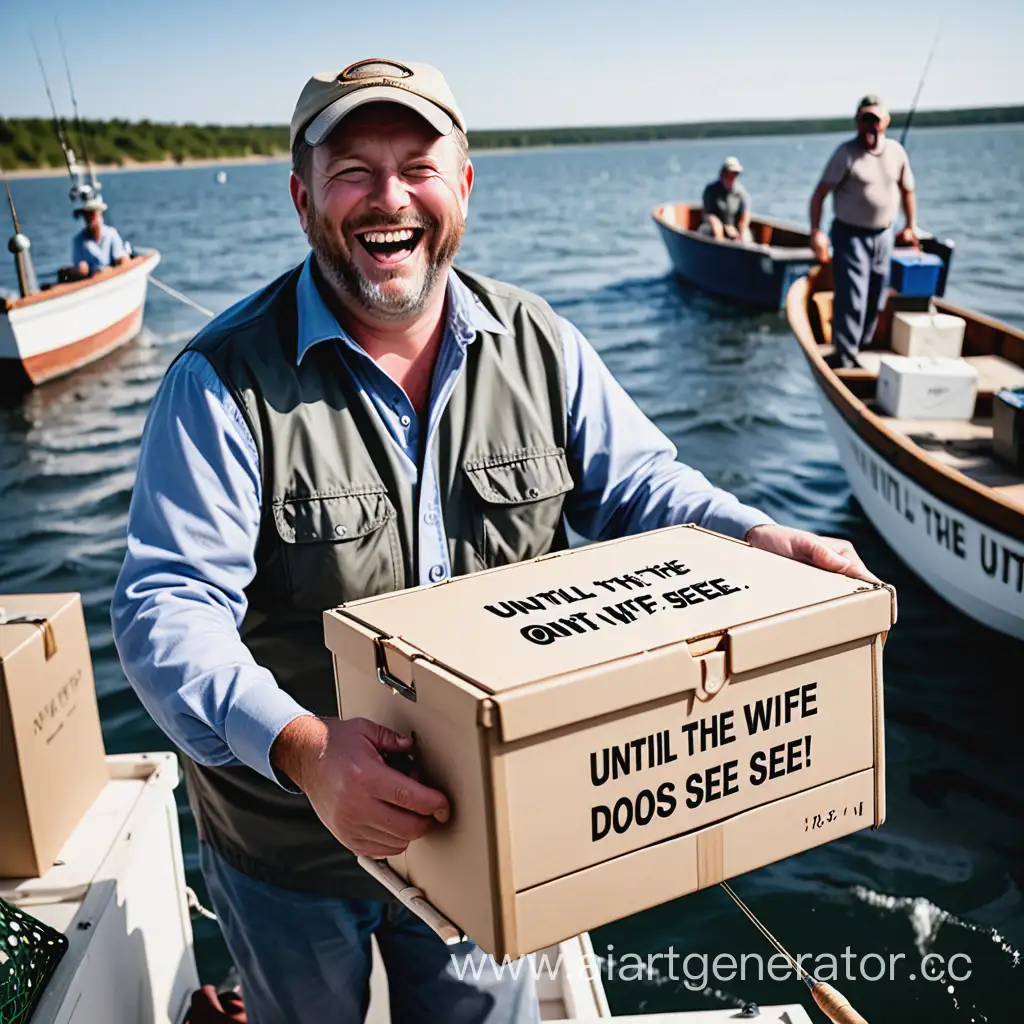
{"type": "Point", "coordinates": [829, 1000]}
{"type": "Point", "coordinates": [58, 127]}
{"type": "Point", "coordinates": [74, 105]}
{"type": "Point", "coordinates": [920, 86]}
{"type": "Point", "coordinates": [10, 202]}
{"type": "Point", "coordinates": [19, 246]}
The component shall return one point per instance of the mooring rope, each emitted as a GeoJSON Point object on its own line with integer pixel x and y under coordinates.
{"type": "Point", "coordinates": [175, 294]}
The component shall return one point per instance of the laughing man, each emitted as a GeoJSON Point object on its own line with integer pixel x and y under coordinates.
{"type": "Point", "coordinates": [320, 442]}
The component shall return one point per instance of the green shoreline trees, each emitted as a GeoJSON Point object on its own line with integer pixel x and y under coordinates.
{"type": "Point", "coordinates": [27, 143]}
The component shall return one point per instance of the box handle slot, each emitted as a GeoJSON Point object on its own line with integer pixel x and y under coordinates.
{"type": "Point", "coordinates": [393, 682]}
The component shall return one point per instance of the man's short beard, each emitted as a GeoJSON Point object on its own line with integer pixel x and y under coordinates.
{"type": "Point", "coordinates": [336, 263]}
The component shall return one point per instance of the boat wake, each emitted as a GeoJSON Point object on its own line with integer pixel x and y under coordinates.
{"type": "Point", "coordinates": [926, 919]}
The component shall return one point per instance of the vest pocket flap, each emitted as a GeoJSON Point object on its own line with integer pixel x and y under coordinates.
{"type": "Point", "coordinates": [343, 515]}
{"type": "Point", "coordinates": [518, 477]}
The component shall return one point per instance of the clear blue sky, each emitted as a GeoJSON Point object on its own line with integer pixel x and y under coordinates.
{"type": "Point", "coordinates": [518, 64]}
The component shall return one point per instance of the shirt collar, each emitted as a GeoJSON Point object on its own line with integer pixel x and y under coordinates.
{"type": "Point", "coordinates": [466, 314]}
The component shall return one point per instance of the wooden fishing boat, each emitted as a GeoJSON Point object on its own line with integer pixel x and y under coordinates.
{"type": "Point", "coordinates": [757, 273]}
{"type": "Point", "coordinates": [48, 333]}
{"type": "Point", "coordinates": [932, 488]}
{"type": "Point", "coordinates": [118, 893]}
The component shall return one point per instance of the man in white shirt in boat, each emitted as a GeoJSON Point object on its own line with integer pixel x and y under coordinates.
{"type": "Point", "coordinates": [727, 205]}
{"type": "Point", "coordinates": [868, 177]}
{"type": "Point", "coordinates": [97, 245]}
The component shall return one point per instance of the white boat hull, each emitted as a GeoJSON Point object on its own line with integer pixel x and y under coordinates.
{"type": "Point", "coordinates": [54, 332]}
{"type": "Point", "coordinates": [975, 568]}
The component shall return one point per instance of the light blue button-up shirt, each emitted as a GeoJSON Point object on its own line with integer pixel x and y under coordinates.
{"type": "Point", "coordinates": [98, 254]}
{"type": "Point", "coordinates": [195, 518]}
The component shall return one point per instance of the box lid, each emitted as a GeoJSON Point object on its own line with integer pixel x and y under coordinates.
{"type": "Point", "coordinates": [931, 366]}
{"type": "Point", "coordinates": [23, 619]}
{"type": "Point", "coordinates": [506, 628]}
{"type": "Point", "coordinates": [1013, 397]}
{"type": "Point", "coordinates": [939, 321]}
{"type": "Point", "coordinates": [916, 258]}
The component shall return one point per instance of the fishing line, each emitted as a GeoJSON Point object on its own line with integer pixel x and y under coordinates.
{"type": "Point", "coordinates": [62, 138]}
{"type": "Point", "coordinates": [752, 917]}
{"type": "Point", "coordinates": [920, 86]}
{"type": "Point", "coordinates": [74, 103]}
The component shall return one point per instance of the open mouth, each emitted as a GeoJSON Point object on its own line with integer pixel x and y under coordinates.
{"type": "Point", "coordinates": [391, 246]}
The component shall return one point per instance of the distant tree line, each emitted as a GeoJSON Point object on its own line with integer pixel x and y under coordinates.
{"type": "Point", "coordinates": [32, 142]}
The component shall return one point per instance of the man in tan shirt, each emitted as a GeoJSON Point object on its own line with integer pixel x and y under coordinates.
{"type": "Point", "coordinates": [868, 177]}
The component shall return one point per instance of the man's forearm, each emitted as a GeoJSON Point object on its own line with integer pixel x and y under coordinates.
{"type": "Point", "coordinates": [910, 209]}
{"type": "Point", "coordinates": [299, 743]}
{"type": "Point", "coordinates": [817, 204]}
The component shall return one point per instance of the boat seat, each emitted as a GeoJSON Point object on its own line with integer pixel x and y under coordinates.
{"type": "Point", "coordinates": [823, 306]}
{"type": "Point", "coordinates": [996, 373]}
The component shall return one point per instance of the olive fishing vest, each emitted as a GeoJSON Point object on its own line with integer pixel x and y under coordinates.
{"type": "Point", "coordinates": [339, 523]}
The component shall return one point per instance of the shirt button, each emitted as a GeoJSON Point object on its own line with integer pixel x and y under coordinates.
{"type": "Point", "coordinates": [437, 573]}
{"type": "Point", "coordinates": [430, 518]}
{"type": "Point", "coordinates": [405, 421]}
{"type": "Point", "coordinates": [340, 530]}
{"type": "Point", "coordinates": [533, 492]}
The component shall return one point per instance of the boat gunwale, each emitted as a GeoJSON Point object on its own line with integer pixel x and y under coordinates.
{"type": "Point", "coordinates": [777, 253]}
{"type": "Point", "coordinates": [945, 482]}
{"type": "Point", "coordinates": [136, 262]}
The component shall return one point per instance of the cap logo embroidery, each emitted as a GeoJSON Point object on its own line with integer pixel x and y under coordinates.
{"type": "Point", "coordinates": [374, 68]}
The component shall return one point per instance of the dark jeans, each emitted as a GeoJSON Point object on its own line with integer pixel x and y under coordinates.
{"type": "Point", "coordinates": [306, 959]}
{"type": "Point", "coordinates": [861, 275]}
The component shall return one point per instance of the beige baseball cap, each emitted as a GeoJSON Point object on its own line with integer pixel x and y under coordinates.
{"type": "Point", "coordinates": [731, 163]}
{"type": "Point", "coordinates": [872, 104]}
{"type": "Point", "coordinates": [330, 95]}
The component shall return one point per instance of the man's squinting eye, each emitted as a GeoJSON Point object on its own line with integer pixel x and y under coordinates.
{"type": "Point", "coordinates": [351, 173]}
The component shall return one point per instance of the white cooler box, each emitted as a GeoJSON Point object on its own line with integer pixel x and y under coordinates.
{"type": "Point", "coordinates": [923, 388]}
{"type": "Point", "coordinates": [928, 334]}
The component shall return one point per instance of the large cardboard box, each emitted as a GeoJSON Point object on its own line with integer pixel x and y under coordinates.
{"type": "Point", "coordinates": [925, 388]}
{"type": "Point", "coordinates": [928, 334]}
{"type": "Point", "coordinates": [621, 724]}
{"type": "Point", "coordinates": [51, 749]}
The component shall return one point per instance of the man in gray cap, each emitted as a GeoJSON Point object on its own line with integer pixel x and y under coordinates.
{"type": "Point", "coordinates": [97, 245]}
{"type": "Point", "coordinates": [867, 176]}
{"type": "Point", "coordinates": [373, 419]}
{"type": "Point", "coordinates": [727, 205]}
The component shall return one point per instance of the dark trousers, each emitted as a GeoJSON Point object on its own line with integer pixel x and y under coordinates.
{"type": "Point", "coordinates": [861, 275]}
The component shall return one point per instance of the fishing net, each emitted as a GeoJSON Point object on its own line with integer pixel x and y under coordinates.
{"type": "Point", "coordinates": [29, 953]}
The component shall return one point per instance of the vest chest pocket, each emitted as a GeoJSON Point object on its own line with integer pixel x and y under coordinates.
{"type": "Point", "coordinates": [339, 545]}
{"type": "Point", "coordinates": [520, 497]}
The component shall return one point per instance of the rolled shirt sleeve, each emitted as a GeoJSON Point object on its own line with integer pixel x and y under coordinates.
{"type": "Point", "coordinates": [116, 245]}
{"type": "Point", "coordinates": [180, 597]}
{"type": "Point", "coordinates": [625, 469]}
{"type": "Point", "coordinates": [836, 168]}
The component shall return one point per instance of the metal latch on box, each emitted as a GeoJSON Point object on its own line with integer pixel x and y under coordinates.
{"type": "Point", "coordinates": [41, 622]}
{"type": "Point", "coordinates": [403, 651]}
{"type": "Point", "coordinates": [713, 675]}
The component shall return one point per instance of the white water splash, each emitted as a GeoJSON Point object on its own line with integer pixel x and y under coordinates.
{"type": "Point", "coordinates": [926, 919]}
